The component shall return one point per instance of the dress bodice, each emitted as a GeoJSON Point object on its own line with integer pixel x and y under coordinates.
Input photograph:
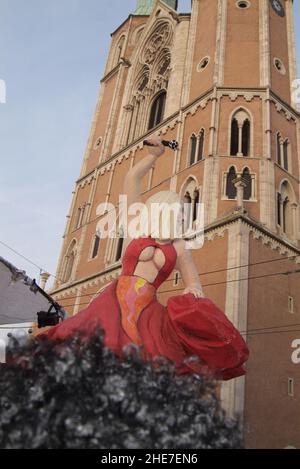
{"type": "Point", "coordinates": [134, 250]}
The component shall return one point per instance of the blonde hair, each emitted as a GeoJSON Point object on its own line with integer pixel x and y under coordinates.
{"type": "Point", "coordinates": [162, 198]}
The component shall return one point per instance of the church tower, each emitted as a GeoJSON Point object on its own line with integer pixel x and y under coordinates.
{"type": "Point", "coordinates": [221, 81]}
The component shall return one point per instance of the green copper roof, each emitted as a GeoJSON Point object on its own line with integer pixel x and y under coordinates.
{"type": "Point", "coordinates": [144, 7]}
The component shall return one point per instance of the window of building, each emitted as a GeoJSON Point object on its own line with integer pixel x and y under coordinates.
{"type": "Point", "coordinates": [291, 304]}
{"type": "Point", "coordinates": [176, 278]}
{"type": "Point", "coordinates": [196, 205]}
{"type": "Point", "coordinates": [246, 138]}
{"type": "Point", "coordinates": [291, 387]}
{"type": "Point", "coordinates": [119, 51]}
{"type": "Point", "coordinates": [96, 244]}
{"type": "Point", "coordinates": [193, 147]}
{"type": "Point", "coordinates": [285, 155]}
{"type": "Point", "coordinates": [243, 4]}
{"type": "Point", "coordinates": [248, 180]}
{"type": "Point", "coordinates": [240, 136]}
{"type": "Point", "coordinates": [120, 243]}
{"type": "Point", "coordinates": [200, 145]}
{"type": "Point", "coordinates": [187, 214]}
{"type": "Point", "coordinates": [69, 262]}
{"type": "Point", "coordinates": [196, 148]}
{"type": "Point", "coordinates": [78, 218]}
{"type": "Point", "coordinates": [231, 191]}
{"type": "Point", "coordinates": [278, 208]}
{"type": "Point", "coordinates": [203, 64]}
{"type": "Point", "coordinates": [157, 110]}
{"type": "Point", "coordinates": [287, 210]}
{"type": "Point", "coordinates": [234, 137]}
{"type": "Point", "coordinates": [278, 141]}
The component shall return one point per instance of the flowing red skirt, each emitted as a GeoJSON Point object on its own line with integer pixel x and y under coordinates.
{"type": "Point", "coordinates": [187, 327]}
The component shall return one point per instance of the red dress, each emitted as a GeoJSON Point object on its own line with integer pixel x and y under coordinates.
{"type": "Point", "coordinates": [128, 311]}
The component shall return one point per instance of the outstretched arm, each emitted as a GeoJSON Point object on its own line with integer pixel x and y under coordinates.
{"type": "Point", "coordinates": [187, 268]}
{"type": "Point", "coordinates": [132, 182]}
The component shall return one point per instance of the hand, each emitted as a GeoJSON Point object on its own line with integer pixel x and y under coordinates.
{"type": "Point", "coordinates": [158, 149]}
{"type": "Point", "coordinates": [197, 292]}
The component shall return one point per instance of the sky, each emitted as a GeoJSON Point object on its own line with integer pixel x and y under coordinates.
{"type": "Point", "coordinates": [52, 57]}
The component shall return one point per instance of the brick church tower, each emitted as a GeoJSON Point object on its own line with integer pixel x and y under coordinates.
{"type": "Point", "coordinates": [220, 81]}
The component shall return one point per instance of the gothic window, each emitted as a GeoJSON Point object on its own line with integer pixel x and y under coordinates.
{"type": "Point", "coordinates": [278, 142]}
{"type": "Point", "coordinates": [278, 208]}
{"type": "Point", "coordinates": [96, 244]}
{"type": "Point", "coordinates": [234, 138]}
{"type": "Point", "coordinates": [248, 180]}
{"type": "Point", "coordinates": [119, 51]}
{"type": "Point", "coordinates": [78, 218]}
{"type": "Point", "coordinates": [231, 191]}
{"type": "Point", "coordinates": [285, 155]}
{"type": "Point", "coordinates": [69, 262]}
{"type": "Point", "coordinates": [196, 205]}
{"type": "Point", "coordinates": [148, 93]}
{"type": "Point", "coordinates": [164, 65]}
{"type": "Point", "coordinates": [200, 145]}
{"type": "Point", "coordinates": [286, 210]}
{"type": "Point", "coordinates": [190, 194]}
{"type": "Point", "coordinates": [120, 242]}
{"type": "Point", "coordinates": [187, 222]}
{"type": "Point", "coordinates": [246, 138]}
{"type": "Point", "coordinates": [193, 147]}
{"type": "Point", "coordinates": [157, 110]}
{"type": "Point", "coordinates": [196, 147]}
{"type": "Point", "coordinates": [240, 137]}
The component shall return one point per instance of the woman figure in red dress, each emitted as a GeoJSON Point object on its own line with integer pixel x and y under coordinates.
{"type": "Point", "coordinates": [129, 312]}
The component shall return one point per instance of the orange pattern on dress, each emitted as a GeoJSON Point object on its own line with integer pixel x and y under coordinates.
{"type": "Point", "coordinates": [134, 294]}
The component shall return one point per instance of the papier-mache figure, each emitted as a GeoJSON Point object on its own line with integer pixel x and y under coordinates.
{"type": "Point", "coordinates": [189, 326]}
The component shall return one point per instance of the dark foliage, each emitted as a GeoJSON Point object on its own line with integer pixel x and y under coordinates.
{"type": "Point", "coordinates": [70, 395]}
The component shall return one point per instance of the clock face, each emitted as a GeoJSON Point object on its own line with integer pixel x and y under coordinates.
{"type": "Point", "coordinates": [277, 6]}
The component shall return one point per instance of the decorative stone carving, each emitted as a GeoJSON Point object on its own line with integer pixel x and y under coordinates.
{"type": "Point", "coordinates": [159, 39]}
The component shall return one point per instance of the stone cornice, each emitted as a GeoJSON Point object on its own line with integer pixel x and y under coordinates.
{"type": "Point", "coordinates": [200, 103]}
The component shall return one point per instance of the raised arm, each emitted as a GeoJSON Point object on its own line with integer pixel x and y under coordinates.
{"type": "Point", "coordinates": [187, 268]}
{"type": "Point", "coordinates": [132, 182]}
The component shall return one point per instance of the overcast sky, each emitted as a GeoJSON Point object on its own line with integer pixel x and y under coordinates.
{"type": "Point", "coordinates": [52, 56]}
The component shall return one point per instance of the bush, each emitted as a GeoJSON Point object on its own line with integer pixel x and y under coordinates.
{"type": "Point", "coordinates": [70, 395]}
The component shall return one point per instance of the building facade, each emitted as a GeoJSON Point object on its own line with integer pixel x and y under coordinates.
{"type": "Point", "coordinates": [221, 81]}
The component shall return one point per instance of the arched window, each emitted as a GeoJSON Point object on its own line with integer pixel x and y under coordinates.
{"type": "Point", "coordinates": [96, 244]}
{"type": "Point", "coordinates": [240, 134]}
{"type": "Point", "coordinates": [286, 210]}
{"type": "Point", "coordinates": [248, 189]}
{"type": "Point", "coordinates": [278, 141]}
{"type": "Point", "coordinates": [193, 146]}
{"type": "Point", "coordinates": [200, 145]}
{"type": "Point", "coordinates": [285, 155]}
{"type": "Point", "coordinates": [279, 208]}
{"type": "Point", "coordinates": [231, 191]}
{"type": "Point", "coordinates": [69, 262]}
{"type": "Point", "coordinates": [119, 51]}
{"type": "Point", "coordinates": [78, 219]}
{"type": "Point", "coordinates": [196, 205]}
{"type": "Point", "coordinates": [120, 243]}
{"type": "Point", "coordinates": [187, 215]}
{"type": "Point", "coordinates": [246, 138]}
{"type": "Point", "coordinates": [234, 138]}
{"type": "Point", "coordinates": [157, 110]}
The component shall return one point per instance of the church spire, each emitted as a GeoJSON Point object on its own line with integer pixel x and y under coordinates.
{"type": "Point", "coordinates": [144, 7]}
